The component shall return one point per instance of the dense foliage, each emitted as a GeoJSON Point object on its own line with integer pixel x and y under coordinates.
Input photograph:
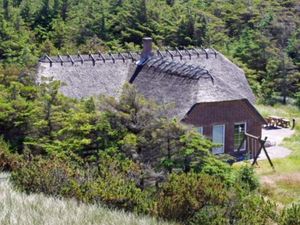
{"type": "Point", "coordinates": [123, 154]}
{"type": "Point", "coordinates": [261, 36]}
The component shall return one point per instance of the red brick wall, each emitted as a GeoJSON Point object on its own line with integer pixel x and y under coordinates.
{"type": "Point", "coordinates": [229, 112]}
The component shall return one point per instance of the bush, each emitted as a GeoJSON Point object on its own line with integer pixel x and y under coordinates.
{"type": "Point", "coordinates": [117, 192]}
{"type": "Point", "coordinates": [220, 170]}
{"type": "Point", "coordinates": [185, 194]}
{"type": "Point", "coordinates": [51, 177]}
{"type": "Point", "coordinates": [89, 184]}
{"type": "Point", "coordinates": [240, 209]}
{"type": "Point", "coordinates": [246, 177]}
{"type": "Point", "coordinates": [251, 209]}
{"type": "Point", "coordinates": [210, 215]}
{"type": "Point", "coordinates": [291, 215]}
{"type": "Point", "coordinates": [8, 160]}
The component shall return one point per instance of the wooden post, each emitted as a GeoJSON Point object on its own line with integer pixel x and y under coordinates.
{"type": "Point", "coordinates": [268, 157]}
{"type": "Point", "coordinates": [262, 142]}
{"type": "Point", "coordinates": [170, 53]}
{"type": "Point", "coordinates": [203, 49]}
{"type": "Point", "coordinates": [293, 124]}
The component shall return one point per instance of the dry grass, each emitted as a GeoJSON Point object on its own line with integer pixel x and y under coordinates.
{"type": "Point", "coordinates": [284, 188]}
{"type": "Point", "coordinates": [36, 209]}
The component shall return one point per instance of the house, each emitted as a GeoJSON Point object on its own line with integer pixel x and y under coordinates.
{"type": "Point", "coordinates": [209, 92]}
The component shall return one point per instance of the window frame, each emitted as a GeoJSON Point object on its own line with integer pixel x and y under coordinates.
{"type": "Point", "coordinates": [224, 138]}
{"type": "Point", "coordinates": [245, 143]}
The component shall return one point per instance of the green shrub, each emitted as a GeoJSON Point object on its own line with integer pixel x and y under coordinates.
{"type": "Point", "coordinates": [185, 194]}
{"type": "Point", "coordinates": [117, 192]}
{"type": "Point", "coordinates": [51, 177]}
{"type": "Point", "coordinates": [8, 160]}
{"type": "Point", "coordinates": [291, 215]}
{"type": "Point", "coordinates": [251, 209]}
{"type": "Point", "coordinates": [240, 209]}
{"type": "Point", "coordinates": [106, 185]}
{"type": "Point", "coordinates": [210, 215]}
{"type": "Point", "coordinates": [220, 170]}
{"type": "Point", "coordinates": [247, 178]}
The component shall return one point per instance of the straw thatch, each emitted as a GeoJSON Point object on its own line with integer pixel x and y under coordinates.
{"type": "Point", "coordinates": [183, 77]}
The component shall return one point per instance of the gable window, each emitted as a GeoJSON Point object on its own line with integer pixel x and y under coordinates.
{"type": "Point", "coordinates": [239, 131]}
{"type": "Point", "coordinates": [200, 130]}
{"type": "Point", "coordinates": [219, 139]}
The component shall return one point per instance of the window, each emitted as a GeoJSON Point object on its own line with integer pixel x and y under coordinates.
{"type": "Point", "coordinates": [200, 130]}
{"type": "Point", "coordinates": [239, 131]}
{"type": "Point", "coordinates": [218, 138]}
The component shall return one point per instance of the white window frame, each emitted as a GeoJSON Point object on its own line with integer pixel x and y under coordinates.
{"type": "Point", "coordinates": [245, 145]}
{"type": "Point", "coordinates": [224, 135]}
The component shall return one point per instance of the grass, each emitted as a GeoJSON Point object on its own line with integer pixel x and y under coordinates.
{"type": "Point", "coordinates": [36, 209]}
{"type": "Point", "coordinates": [283, 185]}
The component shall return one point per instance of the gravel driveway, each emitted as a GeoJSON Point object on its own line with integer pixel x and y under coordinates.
{"type": "Point", "coordinates": [276, 136]}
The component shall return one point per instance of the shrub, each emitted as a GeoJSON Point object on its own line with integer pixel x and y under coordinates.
{"type": "Point", "coordinates": [291, 215]}
{"type": "Point", "coordinates": [108, 184]}
{"type": "Point", "coordinates": [8, 160]}
{"type": "Point", "coordinates": [210, 215]}
{"type": "Point", "coordinates": [117, 192]}
{"type": "Point", "coordinates": [220, 170]}
{"type": "Point", "coordinates": [246, 177]}
{"type": "Point", "coordinates": [251, 209]}
{"type": "Point", "coordinates": [52, 177]}
{"type": "Point", "coordinates": [185, 194]}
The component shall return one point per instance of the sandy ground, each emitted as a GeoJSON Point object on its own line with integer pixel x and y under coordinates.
{"type": "Point", "coordinates": [276, 136]}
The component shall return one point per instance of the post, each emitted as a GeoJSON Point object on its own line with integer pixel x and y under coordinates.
{"type": "Point", "coordinates": [293, 124]}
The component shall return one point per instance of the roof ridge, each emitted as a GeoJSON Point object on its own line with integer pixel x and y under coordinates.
{"type": "Point", "coordinates": [125, 56]}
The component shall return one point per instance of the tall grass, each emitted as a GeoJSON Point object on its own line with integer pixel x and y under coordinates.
{"type": "Point", "coordinates": [36, 209]}
{"type": "Point", "coordinates": [288, 111]}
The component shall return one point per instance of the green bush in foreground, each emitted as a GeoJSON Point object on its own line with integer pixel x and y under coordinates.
{"type": "Point", "coordinates": [185, 194]}
{"type": "Point", "coordinates": [246, 177]}
{"type": "Point", "coordinates": [8, 161]}
{"type": "Point", "coordinates": [59, 178]}
{"type": "Point", "coordinates": [190, 198]}
{"type": "Point", "coordinates": [291, 215]}
{"type": "Point", "coordinates": [51, 177]}
{"type": "Point", "coordinates": [240, 210]}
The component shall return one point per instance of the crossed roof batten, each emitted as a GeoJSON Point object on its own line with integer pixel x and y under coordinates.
{"type": "Point", "coordinates": [177, 68]}
{"type": "Point", "coordinates": [134, 56]}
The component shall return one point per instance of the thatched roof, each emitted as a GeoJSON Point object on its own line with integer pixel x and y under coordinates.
{"type": "Point", "coordinates": [183, 77]}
